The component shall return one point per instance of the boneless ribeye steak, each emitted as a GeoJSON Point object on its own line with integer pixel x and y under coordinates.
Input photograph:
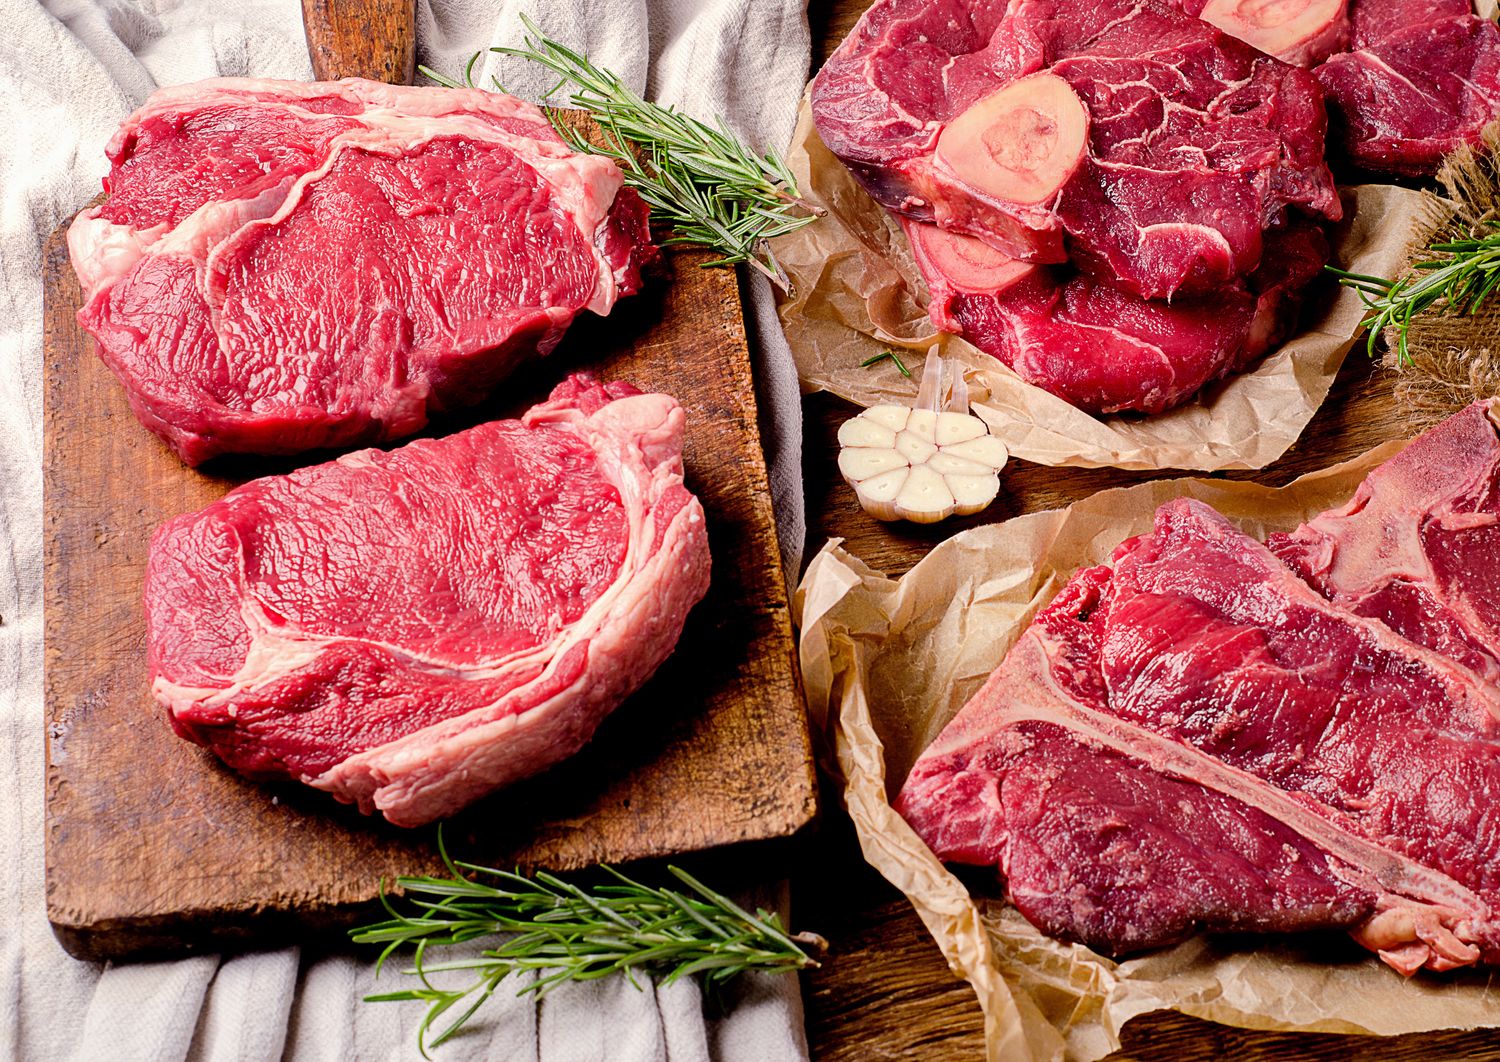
{"type": "Point", "coordinates": [1143, 144]}
{"type": "Point", "coordinates": [1101, 349]}
{"type": "Point", "coordinates": [283, 266]}
{"type": "Point", "coordinates": [1196, 738]}
{"type": "Point", "coordinates": [410, 630]}
{"type": "Point", "coordinates": [1422, 79]}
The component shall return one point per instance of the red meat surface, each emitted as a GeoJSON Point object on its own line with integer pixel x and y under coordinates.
{"type": "Point", "coordinates": [1422, 79]}
{"type": "Point", "coordinates": [1197, 144]}
{"type": "Point", "coordinates": [412, 629]}
{"type": "Point", "coordinates": [283, 267]}
{"type": "Point", "coordinates": [1194, 738]}
{"type": "Point", "coordinates": [1102, 349]}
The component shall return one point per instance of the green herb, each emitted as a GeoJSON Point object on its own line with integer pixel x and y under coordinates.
{"type": "Point", "coordinates": [901, 365]}
{"type": "Point", "coordinates": [1460, 281]}
{"type": "Point", "coordinates": [699, 180]}
{"type": "Point", "coordinates": [571, 934]}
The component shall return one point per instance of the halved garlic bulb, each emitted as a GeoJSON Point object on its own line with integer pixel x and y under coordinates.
{"type": "Point", "coordinates": [920, 464]}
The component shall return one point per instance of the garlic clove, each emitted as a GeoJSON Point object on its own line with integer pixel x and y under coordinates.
{"type": "Point", "coordinates": [955, 428]}
{"type": "Point", "coordinates": [893, 417]}
{"type": "Point", "coordinates": [923, 424]}
{"type": "Point", "coordinates": [877, 495]}
{"type": "Point", "coordinates": [945, 464]}
{"type": "Point", "coordinates": [924, 497]}
{"type": "Point", "coordinates": [861, 431]}
{"type": "Point", "coordinates": [972, 493]}
{"type": "Point", "coordinates": [986, 450]}
{"type": "Point", "coordinates": [915, 450]}
{"type": "Point", "coordinates": [862, 462]}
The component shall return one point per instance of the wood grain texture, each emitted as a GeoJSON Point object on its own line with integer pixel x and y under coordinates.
{"type": "Point", "coordinates": [376, 39]}
{"type": "Point", "coordinates": [153, 846]}
{"type": "Point", "coordinates": [885, 991]}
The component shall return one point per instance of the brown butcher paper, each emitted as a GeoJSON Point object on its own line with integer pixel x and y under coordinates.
{"type": "Point", "coordinates": [887, 662]}
{"type": "Point", "coordinates": [856, 291]}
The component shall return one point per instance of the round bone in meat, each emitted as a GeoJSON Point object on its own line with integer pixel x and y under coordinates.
{"type": "Point", "coordinates": [1300, 32]}
{"type": "Point", "coordinates": [968, 263]}
{"type": "Point", "coordinates": [1020, 144]}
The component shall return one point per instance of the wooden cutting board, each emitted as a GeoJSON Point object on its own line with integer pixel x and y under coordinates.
{"type": "Point", "coordinates": [153, 847]}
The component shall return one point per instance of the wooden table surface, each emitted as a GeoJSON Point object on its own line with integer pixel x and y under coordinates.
{"type": "Point", "coordinates": [885, 990]}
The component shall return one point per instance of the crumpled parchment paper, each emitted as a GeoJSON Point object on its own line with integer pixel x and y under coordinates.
{"type": "Point", "coordinates": [856, 291]}
{"type": "Point", "coordinates": [887, 662]}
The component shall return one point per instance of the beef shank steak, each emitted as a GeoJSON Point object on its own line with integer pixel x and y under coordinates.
{"type": "Point", "coordinates": [282, 267]}
{"type": "Point", "coordinates": [410, 630]}
{"type": "Point", "coordinates": [1300, 32]}
{"type": "Point", "coordinates": [1103, 350]}
{"type": "Point", "coordinates": [1407, 81]}
{"type": "Point", "coordinates": [1196, 738]}
{"type": "Point", "coordinates": [1141, 143]}
{"type": "Point", "coordinates": [1421, 79]}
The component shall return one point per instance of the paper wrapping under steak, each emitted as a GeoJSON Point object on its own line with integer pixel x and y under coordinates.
{"type": "Point", "coordinates": [887, 662]}
{"type": "Point", "coordinates": [853, 279]}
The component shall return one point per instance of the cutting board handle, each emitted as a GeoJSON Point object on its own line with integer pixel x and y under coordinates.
{"type": "Point", "coordinates": [376, 39]}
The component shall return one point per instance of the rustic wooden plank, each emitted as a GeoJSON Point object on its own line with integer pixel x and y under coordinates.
{"type": "Point", "coordinates": [376, 39]}
{"type": "Point", "coordinates": [153, 846]}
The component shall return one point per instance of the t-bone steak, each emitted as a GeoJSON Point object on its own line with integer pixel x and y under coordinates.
{"type": "Point", "coordinates": [282, 266]}
{"type": "Point", "coordinates": [1101, 349]}
{"type": "Point", "coordinates": [1418, 546]}
{"type": "Point", "coordinates": [1196, 738]}
{"type": "Point", "coordinates": [1144, 145]}
{"type": "Point", "coordinates": [410, 630]}
{"type": "Point", "coordinates": [1422, 78]}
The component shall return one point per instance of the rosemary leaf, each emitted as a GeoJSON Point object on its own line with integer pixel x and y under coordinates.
{"type": "Point", "coordinates": [568, 932]}
{"type": "Point", "coordinates": [1459, 281]}
{"type": "Point", "coordinates": [701, 182]}
{"type": "Point", "coordinates": [876, 359]}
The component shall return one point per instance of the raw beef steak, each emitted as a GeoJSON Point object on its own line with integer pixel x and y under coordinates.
{"type": "Point", "coordinates": [1099, 348]}
{"type": "Point", "coordinates": [281, 266]}
{"type": "Point", "coordinates": [1196, 739]}
{"type": "Point", "coordinates": [1422, 79]}
{"type": "Point", "coordinates": [1410, 543]}
{"type": "Point", "coordinates": [1143, 144]}
{"type": "Point", "coordinates": [411, 630]}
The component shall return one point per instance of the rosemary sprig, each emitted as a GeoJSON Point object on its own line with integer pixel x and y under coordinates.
{"type": "Point", "coordinates": [704, 184]}
{"type": "Point", "coordinates": [1460, 281]}
{"type": "Point", "coordinates": [570, 933]}
{"type": "Point", "coordinates": [876, 359]}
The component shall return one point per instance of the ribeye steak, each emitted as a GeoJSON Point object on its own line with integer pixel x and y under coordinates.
{"type": "Point", "coordinates": [1196, 738]}
{"type": "Point", "coordinates": [412, 629]}
{"type": "Point", "coordinates": [1144, 145]}
{"type": "Point", "coordinates": [281, 266]}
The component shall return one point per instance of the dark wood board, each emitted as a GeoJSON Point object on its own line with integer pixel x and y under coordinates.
{"type": "Point", "coordinates": [152, 846]}
{"type": "Point", "coordinates": [376, 39]}
{"type": "Point", "coordinates": [884, 991]}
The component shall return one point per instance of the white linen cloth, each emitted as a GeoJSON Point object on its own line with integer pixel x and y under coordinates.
{"type": "Point", "coordinates": [71, 70]}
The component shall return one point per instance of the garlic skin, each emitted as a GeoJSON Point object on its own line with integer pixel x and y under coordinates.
{"type": "Point", "coordinates": [919, 464]}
